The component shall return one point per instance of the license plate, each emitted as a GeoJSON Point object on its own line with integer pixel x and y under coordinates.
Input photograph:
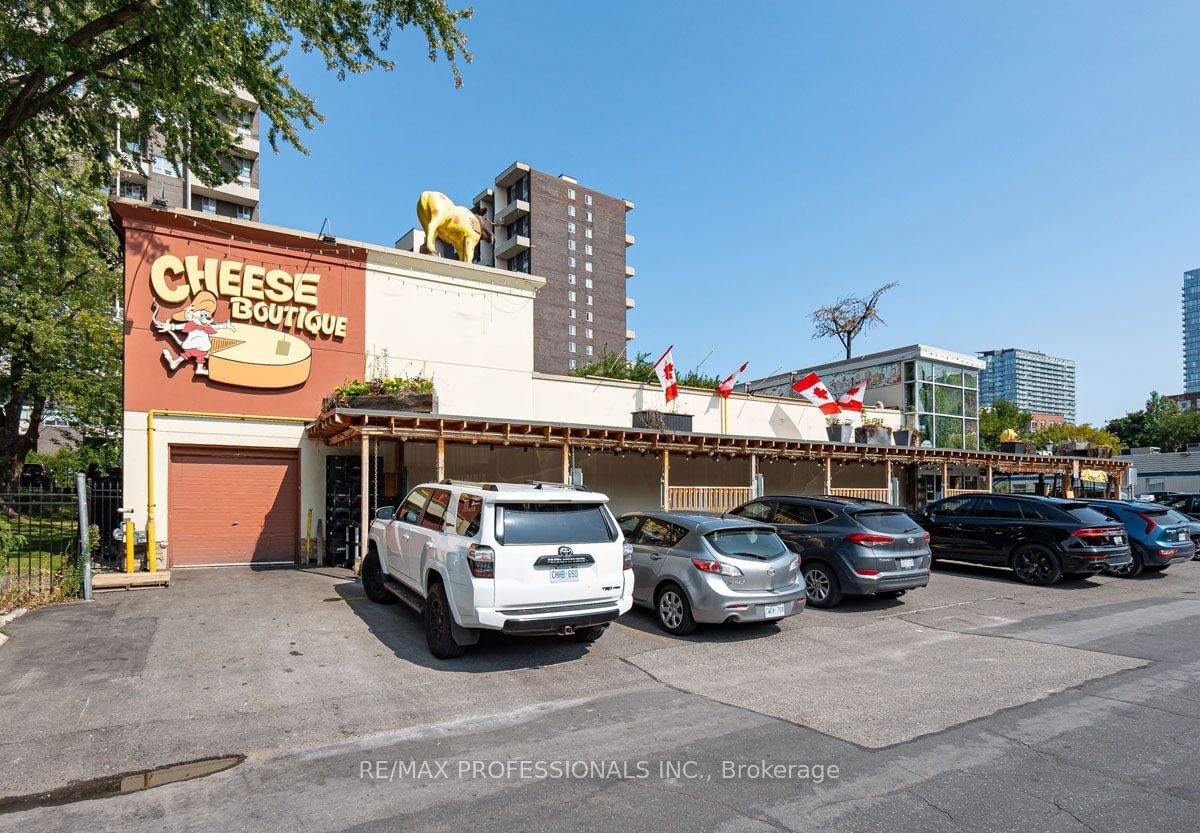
{"type": "Point", "coordinates": [1120, 539]}
{"type": "Point", "coordinates": [907, 563]}
{"type": "Point", "coordinates": [565, 574]}
{"type": "Point", "coordinates": [774, 610]}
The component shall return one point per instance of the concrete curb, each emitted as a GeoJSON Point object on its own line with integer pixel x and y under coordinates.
{"type": "Point", "coordinates": [8, 617]}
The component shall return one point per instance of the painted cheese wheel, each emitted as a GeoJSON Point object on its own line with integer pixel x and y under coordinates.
{"type": "Point", "coordinates": [256, 357]}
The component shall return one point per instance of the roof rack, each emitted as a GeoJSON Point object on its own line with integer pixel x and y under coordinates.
{"type": "Point", "coordinates": [472, 484]}
{"type": "Point", "coordinates": [547, 484]}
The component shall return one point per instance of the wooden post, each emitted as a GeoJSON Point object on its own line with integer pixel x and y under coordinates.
{"type": "Point", "coordinates": [1041, 484]}
{"type": "Point", "coordinates": [887, 478]}
{"type": "Point", "coordinates": [666, 480]}
{"type": "Point", "coordinates": [829, 475]}
{"type": "Point", "coordinates": [945, 477]}
{"type": "Point", "coordinates": [364, 486]}
{"type": "Point", "coordinates": [753, 473]}
{"type": "Point", "coordinates": [989, 478]}
{"type": "Point", "coordinates": [440, 470]}
{"type": "Point", "coordinates": [566, 463]}
{"type": "Point", "coordinates": [1068, 489]}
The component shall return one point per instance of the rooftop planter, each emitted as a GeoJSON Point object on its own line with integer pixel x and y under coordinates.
{"type": "Point", "coordinates": [1018, 447]}
{"type": "Point", "coordinates": [839, 430]}
{"type": "Point", "coordinates": [662, 421]}
{"type": "Point", "coordinates": [873, 432]}
{"type": "Point", "coordinates": [907, 437]}
{"type": "Point", "coordinates": [395, 394]}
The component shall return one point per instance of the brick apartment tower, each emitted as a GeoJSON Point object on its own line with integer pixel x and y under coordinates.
{"type": "Point", "coordinates": [575, 238]}
{"type": "Point", "coordinates": [156, 180]}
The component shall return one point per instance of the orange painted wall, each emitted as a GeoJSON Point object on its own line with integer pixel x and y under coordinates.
{"type": "Point", "coordinates": [149, 382]}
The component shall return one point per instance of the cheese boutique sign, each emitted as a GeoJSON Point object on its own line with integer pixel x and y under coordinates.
{"type": "Point", "coordinates": [258, 340]}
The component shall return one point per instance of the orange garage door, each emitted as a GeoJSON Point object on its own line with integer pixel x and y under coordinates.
{"type": "Point", "coordinates": [233, 505]}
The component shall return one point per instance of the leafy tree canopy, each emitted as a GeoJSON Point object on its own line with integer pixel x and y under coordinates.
{"type": "Point", "coordinates": [1084, 433]}
{"type": "Point", "coordinates": [995, 420]}
{"type": "Point", "coordinates": [69, 70]}
{"type": "Point", "coordinates": [1161, 424]}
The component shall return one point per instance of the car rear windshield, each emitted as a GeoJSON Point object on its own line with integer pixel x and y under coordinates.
{"type": "Point", "coordinates": [1086, 514]}
{"type": "Point", "coordinates": [886, 520]}
{"type": "Point", "coordinates": [1178, 517]}
{"type": "Point", "coordinates": [552, 523]}
{"type": "Point", "coordinates": [747, 543]}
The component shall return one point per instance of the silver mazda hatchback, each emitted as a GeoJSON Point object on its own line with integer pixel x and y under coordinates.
{"type": "Point", "coordinates": [691, 568]}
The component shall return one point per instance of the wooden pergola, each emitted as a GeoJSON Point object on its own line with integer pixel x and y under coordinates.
{"type": "Point", "coordinates": [349, 426]}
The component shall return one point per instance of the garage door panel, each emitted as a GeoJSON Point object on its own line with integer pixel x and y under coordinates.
{"type": "Point", "coordinates": [233, 505]}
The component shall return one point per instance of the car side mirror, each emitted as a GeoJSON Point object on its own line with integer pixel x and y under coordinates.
{"type": "Point", "coordinates": [385, 513]}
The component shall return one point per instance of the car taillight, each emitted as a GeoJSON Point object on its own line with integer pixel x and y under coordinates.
{"type": "Point", "coordinates": [868, 539]}
{"type": "Point", "coordinates": [1150, 522]}
{"type": "Point", "coordinates": [717, 567]}
{"type": "Point", "coordinates": [482, 561]}
{"type": "Point", "coordinates": [627, 556]}
{"type": "Point", "coordinates": [867, 572]}
{"type": "Point", "coordinates": [1167, 553]}
{"type": "Point", "coordinates": [925, 537]}
{"type": "Point", "coordinates": [1096, 532]}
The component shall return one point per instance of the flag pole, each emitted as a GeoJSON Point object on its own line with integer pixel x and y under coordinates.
{"type": "Point", "coordinates": [724, 415]}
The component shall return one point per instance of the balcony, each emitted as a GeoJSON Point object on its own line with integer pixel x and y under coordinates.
{"type": "Point", "coordinates": [628, 240]}
{"type": "Point", "coordinates": [240, 192]}
{"type": "Point", "coordinates": [512, 247]}
{"type": "Point", "coordinates": [629, 271]}
{"type": "Point", "coordinates": [511, 174]}
{"type": "Point", "coordinates": [629, 335]}
{"type": "Point", "coordinates": [513, 211]}
{"type": "Point", "coordinates": [628, 205]}
{"type": "Point", "coordinates": [629, 303]}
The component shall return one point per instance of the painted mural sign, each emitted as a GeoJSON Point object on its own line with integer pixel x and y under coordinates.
{"type": "Point", "coordinates": [258, 344]}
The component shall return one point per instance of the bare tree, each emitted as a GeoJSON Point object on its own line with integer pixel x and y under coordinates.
{"type": "Point", "coordinates": [847, 318]}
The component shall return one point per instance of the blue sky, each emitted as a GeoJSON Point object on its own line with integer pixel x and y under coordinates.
{"type": "Point", "coordinates": [1026, 171]}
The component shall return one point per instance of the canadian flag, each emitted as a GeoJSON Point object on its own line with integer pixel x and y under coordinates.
{"type": "Point", "coordinates": [852, 400]}
{"type": "Point", "coordinates": [726, 387]}
{"type": "Point", "coordinates": [812, 389]}
{"type": "Point", "coordinates": [664, 368]}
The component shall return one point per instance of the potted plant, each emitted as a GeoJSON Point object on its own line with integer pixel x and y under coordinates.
{"type": "Point", "coordinates": [662, 421]}
{"type": "Point", "coordinates": [907, 436]}
{"type": "Point", "coordinates": [839, 429]}
{"type": "Point", "coordinates": [873, 432]}
{"type": "Point", "coordinates": [395, 394]}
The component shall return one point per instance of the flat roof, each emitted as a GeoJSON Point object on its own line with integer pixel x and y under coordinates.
{"type": "Point", "coordinates": [897, 354]}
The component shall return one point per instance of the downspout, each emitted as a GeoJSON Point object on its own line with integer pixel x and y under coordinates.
{"type": "Point", "coordinates": [151, 544]}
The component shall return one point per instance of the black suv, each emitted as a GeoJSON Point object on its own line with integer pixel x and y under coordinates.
{"type": "Point", "coordinates": [846, 545]}
{"type": "Point", "coordinates": [1040, 538]}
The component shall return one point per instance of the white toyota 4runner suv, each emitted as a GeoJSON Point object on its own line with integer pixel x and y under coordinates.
{"type": "Point", "coordinates": [518, 558]}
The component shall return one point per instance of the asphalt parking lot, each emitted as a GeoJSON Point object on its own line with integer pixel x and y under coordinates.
{"type": "Point", "coordinates": [977, 703]}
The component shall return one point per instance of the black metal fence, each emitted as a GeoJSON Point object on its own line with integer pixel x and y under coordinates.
{"type": "Point", "coordinates": [40, 535]}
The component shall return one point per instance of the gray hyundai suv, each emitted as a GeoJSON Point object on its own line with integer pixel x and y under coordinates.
{"type": "Point", "coordinates": [846, 545]}
{"type": "Point", "coordinates": [692, 568]}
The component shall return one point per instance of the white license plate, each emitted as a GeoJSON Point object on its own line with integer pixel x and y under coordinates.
{"type": "Point", "coordinates": [774, 610]}
{"type": "Point", "coordinates": [907, 563]}
{"type": "Point", "coordinates": [1120, 539]}
{"type": "Point", "coordinates": [566, 574]}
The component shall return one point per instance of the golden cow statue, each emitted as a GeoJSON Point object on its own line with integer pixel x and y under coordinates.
{"type": "Point", "coordinates": [459, 226]}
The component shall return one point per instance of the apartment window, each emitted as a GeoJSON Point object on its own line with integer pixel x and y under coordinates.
{"type": "Point", "coordinates": [162, 165]}
{"type": "Point", "coordinates": [570, 211]}
{"type": "Point", "coordinates": [245, 120]}
{"type": "Point", "coordinates": [243, 212]}
{"type": "Point", "coordinates": [571, 261]}
{"type": "Point", "coordinates": [587, 349]}
{"type": "Point", "coordinates": [587, 282]}
{"type": "Point", "coordinates": [570, 329]}
{"type": "Point", "coordinates": [570, 193]}
{"type": "Point", "coordinates": [571, 229]}
{"type": "Point", "coordinates": [571, 312]}
{"type": "Point", "coordinates": [587, 199]}
{"type": "Point", "coordinates": [132, 146]}
{"type": "Point", "coordinates": [588, 332]}
{"type": "Point", "coordinates": [587, 266]}
{"type": "Point", "coordinates": [587, 248]}
{"type": "Point", "coordinates": [208, 205]}
{"type": "Point", "coordinates": [519, 190]}
{"type": "Point", "coordinates": [571, 245]}
{"type": "Point", "coordinates": [571, 295]}
{"type": "Point", "coordinates": [245, 167]}
{"type": "Point", "coordinates": [572, 364]}
{"type": "Point", "coordinates": [587, 232]}
{"type": "Point", "coordinates": [587, 317]}
{"type": "Point", "coordinates": [520, 227]}
{"type": "Point", "coordinates": [571, 278]}
{"type": "Point", "coordinates": [520, 263]}
{"type": "Point", "coordinates": [133, 190]}
{"type": "Point", "coordinates": [587, 216]}
{"type": "Point", "coordinates": [589, 300]}
{"type": "Point", "coordinates": [570, 347]}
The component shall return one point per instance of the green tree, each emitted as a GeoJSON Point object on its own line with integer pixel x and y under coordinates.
{"type": "Point", "coordinates": [167, 67]}
{"type": "Point", "coordinates": [613, 365]}
{"type": "Point", "coordinates": [1084, 433]}
{"type": "Point", "coordinates": [1160, 424]}
{"type": "Point", "coordinates": [60, 347]}
{"type": "Point", "coordinates": [994, 421]}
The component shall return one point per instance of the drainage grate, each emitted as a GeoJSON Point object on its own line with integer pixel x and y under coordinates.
{"type": "Point", "coordinates": [128, 782]}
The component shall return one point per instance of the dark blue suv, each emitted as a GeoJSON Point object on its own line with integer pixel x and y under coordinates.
{"type": "Point", "coordinates": [1158, 538]}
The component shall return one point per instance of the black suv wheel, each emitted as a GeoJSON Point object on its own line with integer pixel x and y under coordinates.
{"type": "Point", "coordinates": [1034, 564]}
{"type": "Point", "coordinates": [373, 580]}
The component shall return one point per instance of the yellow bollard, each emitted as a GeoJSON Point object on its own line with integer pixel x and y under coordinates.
{"type": "Point", "coordinates": [308, 538]}
{"type": "Point", "coordinates": [129, 546]}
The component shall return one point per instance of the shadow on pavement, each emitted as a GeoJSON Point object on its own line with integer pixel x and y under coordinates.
{"type": "Point", "coordinates": [642, 619]}
{"type": "Point", "coordinates": [1003, 575]}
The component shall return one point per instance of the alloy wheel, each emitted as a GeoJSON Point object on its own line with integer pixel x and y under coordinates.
{"type": "Point", "coordinates": [818, 585]}
{"type": "Point", "coordinates": [670, 609]}
{"type": "Point", "coordinates": [1035, 567]}
{"type": "Point", "coordinates": [437, 618]}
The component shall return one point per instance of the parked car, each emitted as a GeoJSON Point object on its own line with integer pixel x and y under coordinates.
{"type": "Point", "coordinates": [1041, 539]}
{"type": "Point", "coordinates": [516, 558]}
{"type": "Point", "coordinates": [1157, 497]}
{"type": "Point", "coordinates": [847, 545]}
{"type": "Point", "coordinates": [1187, 504]}
{"type": "Point", "coordinates": [692, 568]}
{"type": "Point", "coordinates": [1158, 535]}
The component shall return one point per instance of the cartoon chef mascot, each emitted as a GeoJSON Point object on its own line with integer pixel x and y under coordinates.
{"type": "Point", "coordinates": [196, 324]}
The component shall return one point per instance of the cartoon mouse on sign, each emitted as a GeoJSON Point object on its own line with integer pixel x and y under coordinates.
{"type": "Point", "coordinates": [196, 324]}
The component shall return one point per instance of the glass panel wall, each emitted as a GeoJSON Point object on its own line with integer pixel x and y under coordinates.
{"type": "Point", "coordinates": [943, 400]}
